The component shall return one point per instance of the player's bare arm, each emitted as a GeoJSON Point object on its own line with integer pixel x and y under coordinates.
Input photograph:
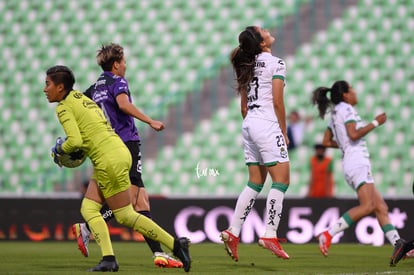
{"type": "Point", "coordinates": [355, 134]}
{"type": "Point", "coordinates": [127, 107]}
{"type": "Point", "coordinates": [243, 103]}
{"type": "Point", "coordinates": [328, 140]}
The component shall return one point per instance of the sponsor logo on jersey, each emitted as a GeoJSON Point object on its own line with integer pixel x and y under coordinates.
{"type": "Point", "coordinates": [283, 152]}
{"type": "Point", "coordinates": [100, 82]}
{"type": "Point", "coordinates": [260, 64]}
{"type": "Point", "coordinates": [77, 95]}
{"type": "Point", "coordinates": [89, 104]}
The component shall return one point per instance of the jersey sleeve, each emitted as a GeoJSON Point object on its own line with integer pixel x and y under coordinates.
{"type": "Point", "coordinates": [68, 121]}
{"type": "Point", "coordinates": [120, 86]}
{"type": "Point", "coordinates": [330, 126]}
{"type": "Point", "coordinates": [349, 115]}
{"type": "Point", "coordinates": [279, 70]}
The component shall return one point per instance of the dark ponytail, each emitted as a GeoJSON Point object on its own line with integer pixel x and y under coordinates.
{"type": "Point", "coordinates": [320, 98]}
{"type": "Point", "coordinates": [243, 57]}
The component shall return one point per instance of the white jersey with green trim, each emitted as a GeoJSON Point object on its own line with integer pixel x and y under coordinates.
{"type": "Point", "coordinates": [354, 152]}
{"type": "Point", "coordinates": [259, 95]}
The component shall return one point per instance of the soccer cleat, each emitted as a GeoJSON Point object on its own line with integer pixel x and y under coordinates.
{"type": "Point", "coordinates": [106, 266]}
{"type": "Point", "coordinates": [162, 259]}
{"type": "Point", "coordinates": [399, 252]}
{"type": "Point", "coordinates": [230, 242]}
{"type": "Point", "coordinates": [324, 242]}
{"type": "Point", "coordinates": [82, 233]}
{"type": "Point", "coordinates": [181, 252]}
{"type": "Point", "coordinates": [273, 245]}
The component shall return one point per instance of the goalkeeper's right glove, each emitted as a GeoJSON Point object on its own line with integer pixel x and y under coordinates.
{"type": "Point", "coordinates": [57, 150]}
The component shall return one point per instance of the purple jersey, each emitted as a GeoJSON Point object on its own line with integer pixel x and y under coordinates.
{"type": "Point", "coordinates": [104, 93]}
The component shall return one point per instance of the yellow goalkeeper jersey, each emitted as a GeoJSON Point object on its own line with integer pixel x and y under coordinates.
{"type": "Point", "coordinates": [85, 126]}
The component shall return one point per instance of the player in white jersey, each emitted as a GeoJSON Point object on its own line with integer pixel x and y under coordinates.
{"type": "Point", "coordinates": [260, 83]}
{"type": "Point", "coordinates": [346, 131]}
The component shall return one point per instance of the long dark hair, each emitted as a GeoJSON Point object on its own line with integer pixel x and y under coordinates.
{"type": "Point", "coordinates": [320, 97]}
{"type": "Point", "coordinates": [244, 56]}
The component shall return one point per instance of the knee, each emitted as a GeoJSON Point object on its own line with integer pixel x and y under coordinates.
{"type": "Point", "coordinates": [90, 209]}
{"type": "Point", "coordinates": [381, 208]}
{"type": "Point", "coordinates": [142, 205]}
{"type": "Point", "coordinates": [368, 208]}
{"type": "Point", "coordinates": [126, 216]}
{"type": "Point", "coordinates": [140, 201]}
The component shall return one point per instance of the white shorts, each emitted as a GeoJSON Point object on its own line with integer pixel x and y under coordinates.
{"type": "Point", "coordinates": [264, 143]}
{"type": "Point", "coordinates": [356, 177]}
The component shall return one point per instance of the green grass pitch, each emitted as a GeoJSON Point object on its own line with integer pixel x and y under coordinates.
{"type": "Point", "coordinates": [207, 258]}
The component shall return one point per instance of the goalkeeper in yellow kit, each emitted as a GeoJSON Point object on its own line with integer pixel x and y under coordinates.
{"type": "Point", "coordinates": [87, 129]}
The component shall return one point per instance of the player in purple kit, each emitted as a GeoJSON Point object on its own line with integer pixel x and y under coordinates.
{"type": "Point", "coordinates": [111, 93]}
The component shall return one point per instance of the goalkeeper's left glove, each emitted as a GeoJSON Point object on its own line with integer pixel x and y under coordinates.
{"type": "Point", "coordinates": [57, 150]}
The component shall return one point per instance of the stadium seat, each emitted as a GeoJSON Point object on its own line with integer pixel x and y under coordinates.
{"type": "Point", "coordinates": [363, 32]}
{"type": "Point", "coordinates": [172, 46]}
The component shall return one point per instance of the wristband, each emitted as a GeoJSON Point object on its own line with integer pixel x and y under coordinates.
{"type": "Point", "coordinates": [375, 123]}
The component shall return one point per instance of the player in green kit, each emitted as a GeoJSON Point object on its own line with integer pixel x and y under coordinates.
{"type": "Point", "coordinates": [87, 129]}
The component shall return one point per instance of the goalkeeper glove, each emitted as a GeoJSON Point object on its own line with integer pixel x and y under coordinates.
{"type": "Point", "coordinates": [78, 154]}
{"type": "Point", "coordinates": [57, 150]}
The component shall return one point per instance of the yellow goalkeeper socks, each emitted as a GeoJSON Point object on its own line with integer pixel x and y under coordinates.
{"type": "Point", "coordinates": [147, 227]}
{"type": "Point", "coordinates": [90, 212]}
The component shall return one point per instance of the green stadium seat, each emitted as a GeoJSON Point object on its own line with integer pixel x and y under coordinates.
{"type": "Point", "coordinates": [172, 46]}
